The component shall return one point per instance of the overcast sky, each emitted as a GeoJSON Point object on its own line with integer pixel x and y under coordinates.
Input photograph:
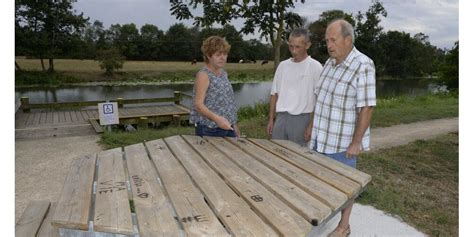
{"type": "Point", "coordinates": [439, 19]}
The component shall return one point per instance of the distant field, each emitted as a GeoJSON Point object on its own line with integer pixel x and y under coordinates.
{"type": "Point", "coordinates": [87, 66]}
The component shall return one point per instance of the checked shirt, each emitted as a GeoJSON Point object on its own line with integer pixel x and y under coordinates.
{"type": "Point", "coordinates": [342, 91]}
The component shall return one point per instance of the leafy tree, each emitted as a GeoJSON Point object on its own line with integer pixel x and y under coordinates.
{"type": "Point", "coordinates": [149, 42]}
{"type": "Point", "coordinates": [51, 24]}
{"type": "Point", "coordinates": [127, 40]}
{"type": "Point", "coordinates": [94, 37]}
{"type": "Point", "coordinates": [397, 53]}
{"type": "Point", "coordinates": [269, 18]}
{"type": "Point", "coordinates": [368, 31]}
{"type": "Point", "coordinates": [426, 56]}
{"type": "Point", "coordinates": [178, 43]}
{"type": "Point", "coordinates": [110, 60]}
{"type": "Point", "coordinates": [449, 71]}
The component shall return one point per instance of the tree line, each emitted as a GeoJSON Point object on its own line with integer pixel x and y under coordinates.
{"type": "Point", "coordinates": [52, 29]}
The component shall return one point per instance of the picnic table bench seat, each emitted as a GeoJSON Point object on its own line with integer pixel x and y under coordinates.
{"type": "Point", "coordinates": [192, 186]}
{"type": "Point", "coordinates": [36, 220]}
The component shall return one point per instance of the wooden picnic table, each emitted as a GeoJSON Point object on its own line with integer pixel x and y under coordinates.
{"type": "Point", "coordinates": [193, 186]}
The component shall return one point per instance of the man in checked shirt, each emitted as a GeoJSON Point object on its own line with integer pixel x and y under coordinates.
{"type": "Point", "coordinates": [345, 99]}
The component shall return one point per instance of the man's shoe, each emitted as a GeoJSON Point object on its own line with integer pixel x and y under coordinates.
{"type": "Point", "coordinates": [339, 232]}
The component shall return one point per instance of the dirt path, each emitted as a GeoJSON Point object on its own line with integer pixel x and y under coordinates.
{"type": "Point", "coordinates": [41, 165]}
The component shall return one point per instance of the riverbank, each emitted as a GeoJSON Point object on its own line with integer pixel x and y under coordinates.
{"type": "Point", "coordinates": [76, 72]}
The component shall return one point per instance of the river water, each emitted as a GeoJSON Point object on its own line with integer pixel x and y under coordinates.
{"type": "Point", "coordinates": [245, 93]}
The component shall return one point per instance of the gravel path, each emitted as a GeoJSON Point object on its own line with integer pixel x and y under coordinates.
{"type": "Point", "coordinates": [41, 165]}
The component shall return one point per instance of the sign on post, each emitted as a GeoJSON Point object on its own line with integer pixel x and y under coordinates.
{"type": "Point", "coordinates": [108, 113]}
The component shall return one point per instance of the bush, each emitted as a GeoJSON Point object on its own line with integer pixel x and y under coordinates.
{"type": "Point", "coordinates": [449, 71]}
{"type": "Point", "coordinates": [110, 60]}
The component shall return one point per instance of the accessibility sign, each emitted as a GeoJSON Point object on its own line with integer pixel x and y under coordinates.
{"type": "Point", "coordinates": [108, 113]}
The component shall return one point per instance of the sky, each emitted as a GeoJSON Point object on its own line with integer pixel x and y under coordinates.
{"type": "Point", "coordinates": [439, 19]}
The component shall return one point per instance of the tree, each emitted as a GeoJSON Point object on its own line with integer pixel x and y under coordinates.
{"type": "Point", "coordinates": [94, 37]}
{"type": "Point", "coordinates": [50, 24]}
{"type": "Point", "coordinates": [269, 18]}
{"type": "Point", "coordinates": [397, 51]}
{"type": "Point", "coordinates": [178, 43]}
{"type": "Point", "coordinates": [110, 60]}
{"type": "Point", "coordinates": [368, 31]}
{"type": "Point", "coordinates": [449, 71]}
{"type": "Point", "coordinates": [149, 43]}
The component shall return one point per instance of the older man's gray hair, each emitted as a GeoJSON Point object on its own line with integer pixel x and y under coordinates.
{"type": "Point", "coordinates": [300, 32]}
{"type": "Point", "coordinates": [346, 28]}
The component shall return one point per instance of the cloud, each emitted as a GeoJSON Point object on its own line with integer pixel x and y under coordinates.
{"type": "Point", "coordinates": [439, 19]}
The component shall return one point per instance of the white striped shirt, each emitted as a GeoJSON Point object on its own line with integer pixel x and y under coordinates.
{"type": "Point", "coordinates": [343, 90]}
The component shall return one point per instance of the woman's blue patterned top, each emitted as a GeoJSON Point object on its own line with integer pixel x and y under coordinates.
{"type": "Point", "coordinates": [219, 99]}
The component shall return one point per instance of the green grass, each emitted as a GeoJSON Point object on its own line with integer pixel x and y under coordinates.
{"type": "Point", "coordinates": [253, 120]}
{"type": "Point", "coordinates": [42, 78]}
{"type": "Point", "coordinates": [406, 109]}
{"type": "Point", "coordinates": [418, 182]}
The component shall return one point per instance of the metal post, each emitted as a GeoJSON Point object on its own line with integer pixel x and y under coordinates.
{"type": "Point", "coordinates": [25, 104]}
{"type": "Point", "coordinates": [120, 102]}
{"type": "Point", "coordinates": [177, 97]}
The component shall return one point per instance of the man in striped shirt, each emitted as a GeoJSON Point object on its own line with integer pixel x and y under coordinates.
{"type": "Point", "coordinates": [345, 98]}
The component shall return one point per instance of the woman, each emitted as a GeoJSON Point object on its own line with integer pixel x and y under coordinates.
{"type": "Point", "coordinates": [214, 112]}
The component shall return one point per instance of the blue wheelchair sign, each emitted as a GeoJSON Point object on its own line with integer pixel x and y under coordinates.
{"type": "Point", "coordinates": [108, 108]}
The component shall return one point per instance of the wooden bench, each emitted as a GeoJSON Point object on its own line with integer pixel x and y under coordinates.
{"type": "Point", "coordinates": [193, 186]}
{"type": "Point", "coordinates": [36, 220]}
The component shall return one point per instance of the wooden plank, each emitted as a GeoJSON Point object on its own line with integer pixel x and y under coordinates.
{"type": "Point", "coordinates": [89, 113]}
{"type": "Point", "coordinates": [85, 114]}
{"type": "Point", "coordinates": [277, 213]}
{"type": "Point", "coordinates": [324, 192]}
{"type": "Point", "coordinates": [29, 118]}
{"type": "Point", "coordinates": [112, 209]}
{"type": "Point", "coordinates": [73, 206]}
{"type": "Point", "coordinates": [306, 205]}
{"type": "Point", "coordinates": [55, 117]}
{"type": "Point", "coordinates": [37, 118]}
{"type": "Point", "coordinates": [47, 229]}
{"type": "Point", "coordinates": [155, 215]}
{"type": "Point", "coordinates": [232, 210]}
{"type": "Point", "coordinates": [50, 118]}
{"type": "Point", "coordinates": [79, 116]}
{"type": "Point", "coordinates": [95, 113]}
{"type": "Point", "coordinates": [31, 219]}
{"type": "Point", "coordinates": [62, 119]}
{"type": "Point", "coordinates": [73, 115]}
{"type": "Point", "coordinates": [96, 125]}
{"type": "Point", "coordinates": [67, 116]}
{"type": "Point", "coordinates": [191, 209]}
{"type": "Point", "coordinates": [354, 174]}
{"type": "Point", "coordinates": [348, 186]}
{"type": "Point", "coordinates": [44, 116]}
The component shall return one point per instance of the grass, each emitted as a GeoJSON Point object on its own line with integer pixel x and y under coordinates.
{"type": "Point", "coordinates": [418, 182]}
{"type": "Point", "coordinates": [253, 120]}
{"type": "Point", "coordinates": [406, 109]}
{"type": "Point", "coordinates": [82, 71]}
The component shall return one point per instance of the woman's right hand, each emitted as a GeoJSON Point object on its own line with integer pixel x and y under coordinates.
{"type": "Point", "coordinates": [223, 123]}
